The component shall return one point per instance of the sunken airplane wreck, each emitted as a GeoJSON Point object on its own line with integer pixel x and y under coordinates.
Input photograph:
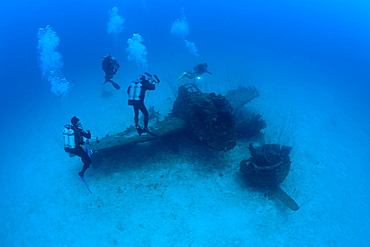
{"type": "Point", "coordinates": [216, 121]}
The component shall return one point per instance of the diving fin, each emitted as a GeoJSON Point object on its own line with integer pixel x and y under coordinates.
{"type": "Point", "coordinates": [115, 85]}
{"type": "Point", "coordinates": [149, 132]}
{"type": "Point", "coordinates": [139, 130]}
{"type": "Point", "coordinates": [87, 186]}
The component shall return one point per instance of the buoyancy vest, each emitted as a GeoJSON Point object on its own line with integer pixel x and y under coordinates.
{"type": "Point", "coordinates": [79, 140]}
{"type": "Point", "coordinates": [134, 92]}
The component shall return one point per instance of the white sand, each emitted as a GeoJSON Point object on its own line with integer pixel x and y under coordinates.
{"type": "Point", "coordinates": [152, 195]}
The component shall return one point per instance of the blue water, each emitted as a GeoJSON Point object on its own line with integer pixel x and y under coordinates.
{"type": "Point", "coordinates": [312, 55]}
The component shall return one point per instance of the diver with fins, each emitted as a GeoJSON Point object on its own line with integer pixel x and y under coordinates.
{"type": "Point", "coordinates": [199, 70]}
{"type": "Point", "coordinates": [110, 67]}
{"type": "Point", "coordinates": [136, 95]}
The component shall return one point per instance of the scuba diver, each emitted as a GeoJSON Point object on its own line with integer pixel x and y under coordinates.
{"type": "Point", "coordinates": [199, 70]}
{"type": "Point", "coordinates": [110, 67]}
{"type": "Point", "coordinates": [136, 95]}
{"type": "Point", "coordinates": [74, 139]}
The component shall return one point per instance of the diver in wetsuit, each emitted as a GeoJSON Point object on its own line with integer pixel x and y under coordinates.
{"type": "Point", "coordinates": [136, 95]}
{"type": "Point", "coordinates": [110, 67]}
{"type": "Point", "coordinates": [79, 135]}
{"type": "Point", "coordinates": [199, 70]}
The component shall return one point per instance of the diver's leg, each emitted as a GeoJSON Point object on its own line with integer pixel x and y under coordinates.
{"type": "Point", "coordinates": [185, 74]}
{"type": "Point", "coordinates": [189, 75]}
{"type": "Point", "coordinates": [85, 159]}
{"type": "Point", "coordinates": [108, 77]}
{"type": "Point", "coordinates": [136, 117]}
{"type": "Point", "coordinates": [146, 115]}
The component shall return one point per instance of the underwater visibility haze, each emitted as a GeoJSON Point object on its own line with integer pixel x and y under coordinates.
{"type": "Point", "coordinates": [309, 61]}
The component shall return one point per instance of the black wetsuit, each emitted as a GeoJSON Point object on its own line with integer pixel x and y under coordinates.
{"type": "Point", "coordinates": [110, 67]}
{"type": "Point", "coordinates": [138, 102]}
{"type": "Point", "coordinates": [78, 150]}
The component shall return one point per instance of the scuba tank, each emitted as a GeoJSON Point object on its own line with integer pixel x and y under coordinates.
{"type": "Point", "coordinates": [69, 138]}
{"type": "Point", "coordinates": [65, 138]}
{"type": "Point", "coordinates": [134, 92]}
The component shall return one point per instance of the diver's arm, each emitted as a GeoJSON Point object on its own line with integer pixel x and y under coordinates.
{"type": "Point", "coordinates": [148, 85]}
{"type": "Point", "coordinates": [86, 134]}
{"type": "Point", "coordinates": [157, 79]}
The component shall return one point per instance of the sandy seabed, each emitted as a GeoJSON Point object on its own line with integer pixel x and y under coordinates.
{"type": "Point", "coordinates": [162, 194]}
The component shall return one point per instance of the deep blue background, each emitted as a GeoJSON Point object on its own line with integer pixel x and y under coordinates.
{"type": "Point", "coordinates": [325, 42]}
{"type": "Point", "coordinates": [334, 35]}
